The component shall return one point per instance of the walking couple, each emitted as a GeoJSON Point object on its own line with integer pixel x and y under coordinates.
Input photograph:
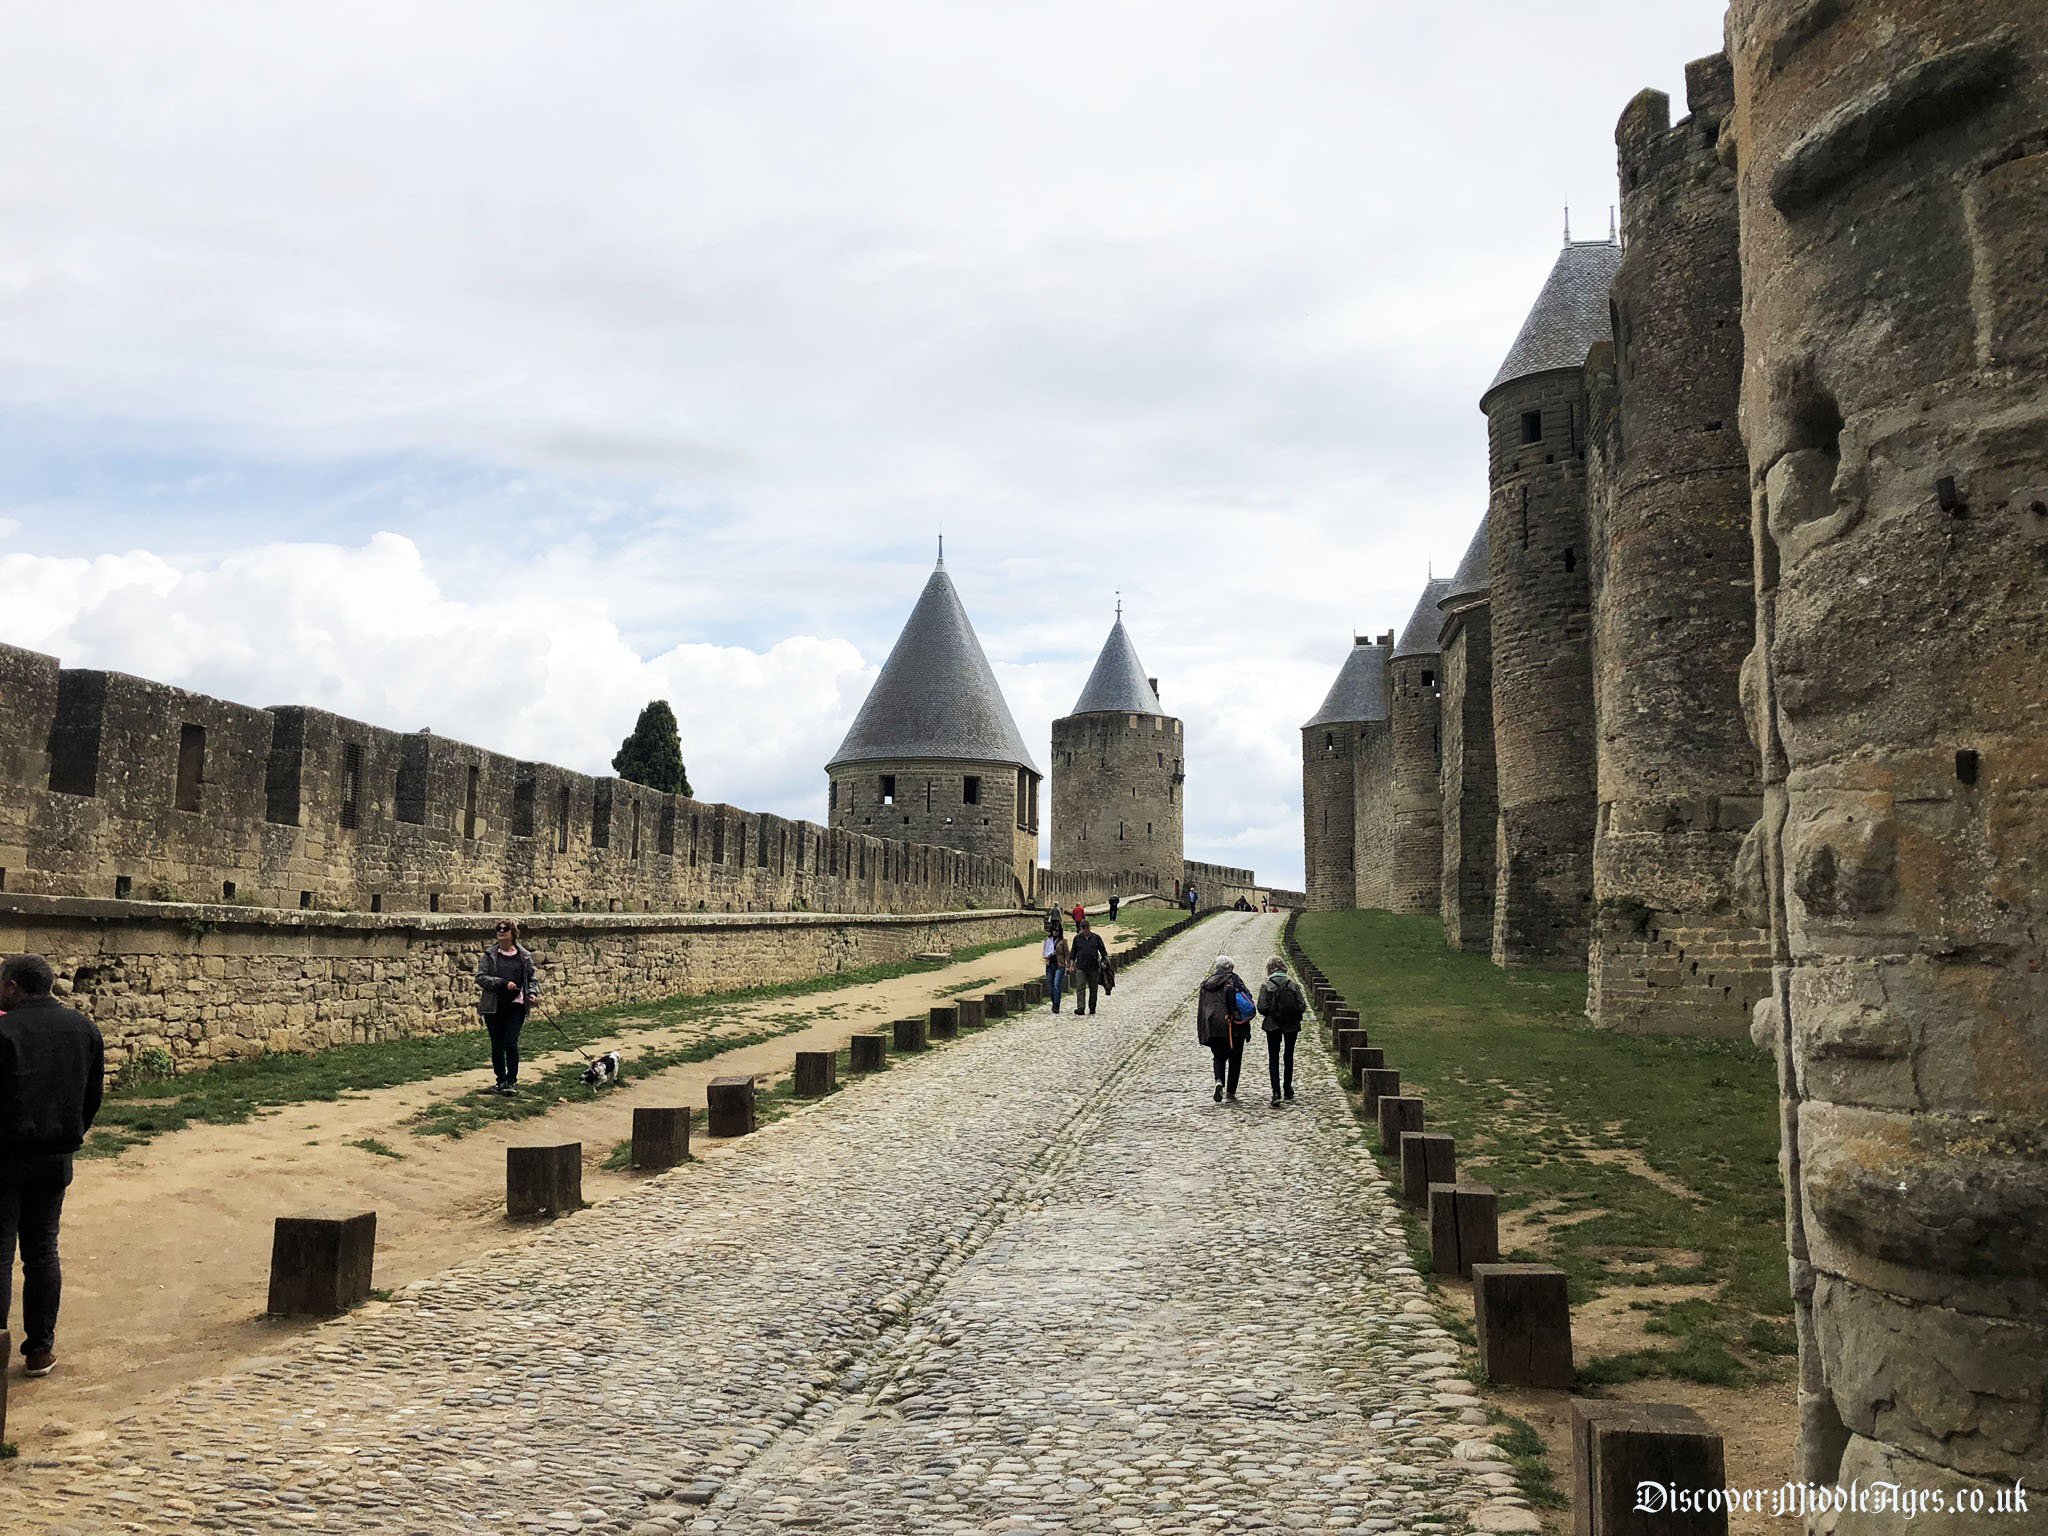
{"type": "Point", "coordinates": [1223, 1022]}
{"type": "Point", "coordinates": [1082, 965]}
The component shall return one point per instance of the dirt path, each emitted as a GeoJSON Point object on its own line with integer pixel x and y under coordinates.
{"type": "Point", "coordinates": [167, 1247]}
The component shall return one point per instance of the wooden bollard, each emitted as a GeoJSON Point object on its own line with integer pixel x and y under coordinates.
{"type": "Point", "coordinates": [1364, 1059]}
{"type": "Point", "coordinates": [1343, 1018]}
{"type": "Point", "coordinates": [817, 1073]}
{"type": "Point", "coordinates": [973, 1015]}
{"type": "Point", "coordinates": [1345, 1039]}
{"type": "Point", "coordinates": [870, 1052]}
{"type": "Point", "coordinates": [995, 1005]}
{"type": "Point", "coordinates": [732, 1104]}
{"type": "Point", "coordinates": [1018, 998]}
{"type": "Point", "coordinates": [1464, 1227]}
{"type": "Point", "coordinates": [661, 1136]}
{"type": "Point", "coordinates": [1426, 1158]}
{"type": "Point", "coordinates": [1524, 1325]}
{"type": "Point", "coordinates": [1034, 992]}
{"type": "Point", "coordinates": [1618, 1446]}
{"type": "Point", "coordinates": [1399, 1113]}
{"type": "Point", "coordinates": [944, 1021]}
{"type": "Point", "coordinates": [1379, 1082]}
{"type": "Point", "coordinates": [544, 1180]}
{"type": "Point", "coordinates": [6, 1364]}
{"type": "Point", "coordinates": [320, 1265]}
{"type": "Point", "coordinates": [913, 1033]}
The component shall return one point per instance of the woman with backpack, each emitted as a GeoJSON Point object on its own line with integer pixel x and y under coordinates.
{"type": "Point", "coordinates": [1223, 1021]}
{"type": "Point", "coordinates": [1282, 1007]}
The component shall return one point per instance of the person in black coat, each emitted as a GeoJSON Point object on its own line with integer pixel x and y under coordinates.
{"type": "Point", "coordinates": [506, 986]}
{"type": "Point", "coordinates": [52, 1063]}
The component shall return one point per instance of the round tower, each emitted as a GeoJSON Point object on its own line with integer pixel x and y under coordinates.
{"type": "Point", "coordinates": [1415, 853]}
{"type": "Point", "coordinates": [934, 755]}
{"type": "Point", "coordinates": [1330, 743]}
{"type": "Point", "coordinates": [1117, 777]}
{"type": "Point", "coordinates": [1541, 617]}
{"type": "Point", "coordinates": [1471, 811]}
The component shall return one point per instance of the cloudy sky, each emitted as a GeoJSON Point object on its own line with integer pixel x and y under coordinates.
{"type": "Point", "coordinates": [499, 366]}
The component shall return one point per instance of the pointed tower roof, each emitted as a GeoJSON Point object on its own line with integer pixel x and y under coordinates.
{"type": "Point", "coordinates": [1473, 579]}
{"type": "Point", "coordinates": [1418, 636]}
{"type": "Point", "coordinates": [1569, 316]}
{"type": "Point", "coordinates": [1118, 685]}
{"type": "Point", "coordinates": [936, 696]}
{"type": "Point", "coordinates": [1360, 692]}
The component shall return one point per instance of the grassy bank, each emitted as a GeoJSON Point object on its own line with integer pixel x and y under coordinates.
{"type": "Point", "coordinates": [1645, 1167]}
{"type": "Point", "coordinates": [1143, 922]}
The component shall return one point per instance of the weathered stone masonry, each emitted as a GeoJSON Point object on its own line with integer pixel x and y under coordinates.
{"type": "Point", "coordinates": [1330, 742]}
{"type": "Point", "coordinates": [1413, 785]}
{"type": "Point", "coordinates": [1470, 808]}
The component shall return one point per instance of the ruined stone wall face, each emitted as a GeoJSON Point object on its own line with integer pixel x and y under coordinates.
{"type": "Point", "coordinates": [1471, 813]}
{"type": "Point", "coordinates": [1373, 820]}
{"type": "Point", "coordinates": [213, 984]}
{"type": "Point", "coordinates": [1893, 173]}
{"type": "Point", "coordinates": [927, 802]}
{"type": "Point", "coordinates": [1415, 840]}
{"type": "Point", "coordinates": [1116, 794]}
{"type": "Point", "coordinates": [1542, 674]}
{"type": "Point", "coordinates": [1328, 813]}
{"type": "Point", "coordinates": [112, 786]}
{"type": "Point", "coordinates": [1673, 610]}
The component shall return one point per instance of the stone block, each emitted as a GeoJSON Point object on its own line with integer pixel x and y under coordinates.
{"type": "Point", "coordinates": [1464, 1227]}
{"type": "Point", "coordinates": [913, 1034]}
{"type": "Point", "coordinates": [995, 1005]}
{"type": "Point", "coordinates": [1398, 1114]}
{"type": "Point", "coordinates": [944, 1021]}
{"type": "Point", "coordinates": [1380, 1082]}
{"type": "Point", "coordinates": [1618, 1446]}
{"type": "Point", "coordinates": [870, 1052]}
{"type": "Point", "coordinates": [973, 1013]}
{"type": "Point", "coordinates": [817, 1073]}
{"type": "Point", "coordinates": [661, 1136]}
{"type": "Point", "coordinates": [320, 1265]}
{"type": "Point", "coordinates": [1524, 1325]}
{"type": "Point", "coordinates": [732, 1105]}
{"type": "Point", "coordinates": [1426, 1158]}
{"type": "Point", "coordinates": [544, 1180]}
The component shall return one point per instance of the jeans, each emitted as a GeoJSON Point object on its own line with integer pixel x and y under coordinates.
{"type": "Point", "coordinates": [1055, 981]}
{"type": "Point", "coordinates": [504, 1026]}
{"type": "Point", "coordinates": [31, 1203]}
{"type": "Point", "coordinates": [1274, 1037]}
{"type": "Point", "coordinates": [1087, 987]}
{"type": "Point", "coordinates": [1229, 1062]}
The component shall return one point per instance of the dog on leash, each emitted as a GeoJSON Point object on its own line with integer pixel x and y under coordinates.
{"type": "Point", "coordinates": [603, 1070]}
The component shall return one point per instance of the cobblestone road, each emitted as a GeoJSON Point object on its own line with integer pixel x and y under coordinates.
{"type": "Point", "coordinates": [1036, 1281]}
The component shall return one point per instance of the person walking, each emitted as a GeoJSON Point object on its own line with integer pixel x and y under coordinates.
{"type": "Point", "coordinates": [1059, 960]}
{"type": "Point", "coordinates": [1192, 900]}
{"type": "Point", "coordinates": [1223, 1021]}
{"type": "Point", "coordinates": [1114, 901]}
{"type": "Point", "coordinates": [1091, 959]}
{"type": "Point", "coordinates": [1080, 915]}
{"type": "Point", "coordinates": [506, 988]}
{"type": "Point", "coordinates": [52, 1067]}
{"type": "Point", "coordinates": [1281, 1009]}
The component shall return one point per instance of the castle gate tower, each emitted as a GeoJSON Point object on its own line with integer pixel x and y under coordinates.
{"type": "Point", "coordinates": [1330, 742]}
{"type": "Point", "coordinates": [1673, 608]}
{"type": "Point", "coordinates": [1117, 775]}
{"type": "Point", "coordinates": [1893, 179]}
{"type": "Point", "coordinates": [1471, 811]}
{"type": "Point", "coordinates": [1541, 620]}
{"type": "Point", "coordinates": [934, 755]}
{"type": "Point", "coordinates": [1414, 700]}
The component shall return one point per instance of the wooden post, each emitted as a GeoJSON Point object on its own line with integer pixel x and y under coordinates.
{"type": "Point", "coordinates": [1398, 1113]}
{"type": "Point", "coordinates": [1618, 1446]}
{"type": "Point", "coordinates": [1364, 1059]}
{"type": "Point", "coordinates": [320, 1265]}
{"type": "Point", "coordinates": [1379, 1081]}
{"type": "Point", "coordinates": [1524, 1325]}
{"type": "Point", "coordinates": [995, 1005]}
{"type": "Point", "coordinates": [1426, 1159]}
{"type": "Point", "coordinates": [544, 1180]}
{"type": "Point", "coordinates": [1464, 1227]}
{"type": "Point", "coordinates": [817, 1073]}
{"type": "Point", "coordinates": [973, 1014]}
{"type": "Point", "coordinates": [1017, 998]}
{"type": "Point", "coordinates": [945, 1021]}
{"type": "Point", "coordinates": [661, 1136]}
{"type": "Point", "coordinates": [912, 1034]}
{"type": "Point", "coordinates": [870, 1052]}
{"type": "Point", "coordinates": [732, 1104]}
{"type": "Point", "coordinates": [1345, 1039]}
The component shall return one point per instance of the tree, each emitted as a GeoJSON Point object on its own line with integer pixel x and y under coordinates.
{"type": "Point", "coordinates": [653, 754]}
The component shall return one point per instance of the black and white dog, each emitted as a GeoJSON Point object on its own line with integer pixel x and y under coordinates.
{"type": "Point", "coordinates": [603, 1070]}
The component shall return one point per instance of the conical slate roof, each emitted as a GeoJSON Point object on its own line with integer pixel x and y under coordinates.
{"type": "Point", "coordinates": [1117, 686]}
{"type": "Point", "coordinates": [1418, 638]}
{"type": "Point", "coordinates": [1360, 692]}
{"type": "Point", "coordinates": [1570, 314]}
{"type": "Point", "coordinates": [1474, 577]}
{"type": "Point", "coordinates": [936, 696]}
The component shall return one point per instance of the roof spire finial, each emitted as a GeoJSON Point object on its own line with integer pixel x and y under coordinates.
{"type": "Point", "coordinates": [942, 551]}
{"type": "Point", "coordinates": [1567, 223]}
{"type": "Point", "coordinates": [1119, 604]}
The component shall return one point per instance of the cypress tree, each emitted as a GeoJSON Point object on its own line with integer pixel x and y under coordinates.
{"type": "Point", "coordinates": [653, 754]}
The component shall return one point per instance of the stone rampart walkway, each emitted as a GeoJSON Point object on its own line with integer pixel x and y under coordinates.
{"type": "Point", "coordinates": [1036, 1281]}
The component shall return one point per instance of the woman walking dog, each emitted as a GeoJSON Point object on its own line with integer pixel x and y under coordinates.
{"type": "Point", "coordinates": [506, 988]}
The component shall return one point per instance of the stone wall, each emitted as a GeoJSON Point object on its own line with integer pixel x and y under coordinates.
{"type": "Point", "coordinates": [1893, 175]}
{"type": "Point", "coordinates": [1471, 814]}
{"type": "Point", "coordinates": [1219, 885]}
{"type": "Point", "coordinates": [113, 786]}
{"type": "Point", "coordinates": [1116, 793]}
{"type": "Point", "coordinates": [215, 983]}
{"type": "Point", "coordinates": [1415, 833]}
{"type": "Point", "coordinates": [1372, 805]}
{"type": "Point", "coordinates": [987, 811]}
{"type": "Point", "coordinates": [1668, 515]}
{"type": "Point", "coordinates": [1328, 811]}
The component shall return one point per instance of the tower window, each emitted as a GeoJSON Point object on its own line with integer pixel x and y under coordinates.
{"type": "Point", "coordinates": [191, 765]}
{"type": "Point", "coordinates": [1532, 426]}
{"type": "Point", "coordinates": [970, 789]}
{"type": "Point", "coordinates": [469, 801]}
{"type": "Point", "coordinates": [352, 784]}
{"type": "Point", "coordinates": [888, 789]}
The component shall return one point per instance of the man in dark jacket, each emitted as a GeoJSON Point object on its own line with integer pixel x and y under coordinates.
{"type": "Point", "coordinates": [1091, 955]}
{"type": "Point", "coordinates": [51, 1064]}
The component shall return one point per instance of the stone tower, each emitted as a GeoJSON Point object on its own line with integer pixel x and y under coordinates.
{"type": "Point", "coordinates": [1471, 811]}
{"type": "Point", "coordinates": [1541, 621]}
{"type": "Point", "coordinates": [934, 755]}
{"type": "Point", "coordinates": [1330, 743]}
{"type": "Point", "coordinates": [1893, 180]}
{"type": "Point", "coordinates": [1415, 851]}
{"type": "Point", "coordinates": [1673, 610]}
{"type": "Point", "coordinates": [1117, 772]}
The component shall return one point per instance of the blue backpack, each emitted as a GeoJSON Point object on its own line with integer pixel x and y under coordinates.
{"type": "Point", "coordinates": [1243, 1006]}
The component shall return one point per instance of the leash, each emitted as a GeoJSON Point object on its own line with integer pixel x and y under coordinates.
{"type": "Point", "coordinates": [548, 1014]}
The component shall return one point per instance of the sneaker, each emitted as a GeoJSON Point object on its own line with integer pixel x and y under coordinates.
{"type": "Point", "coordinates": [1276, 1099]}
{"type": "Point", "coordinates": [1219, 1093]}
{"type": "Point", "coordinates": [1290, 1095]}
{"type": "Point", "coordinates": [509, 1089]}
{"type": "Point", "coordinates": [38, 1362]}
{"type": "Point", "coordinates": [1233, 1098]}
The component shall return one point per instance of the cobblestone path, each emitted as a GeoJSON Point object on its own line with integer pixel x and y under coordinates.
{"type": "Point", "coordinates": [1035, 1281]}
